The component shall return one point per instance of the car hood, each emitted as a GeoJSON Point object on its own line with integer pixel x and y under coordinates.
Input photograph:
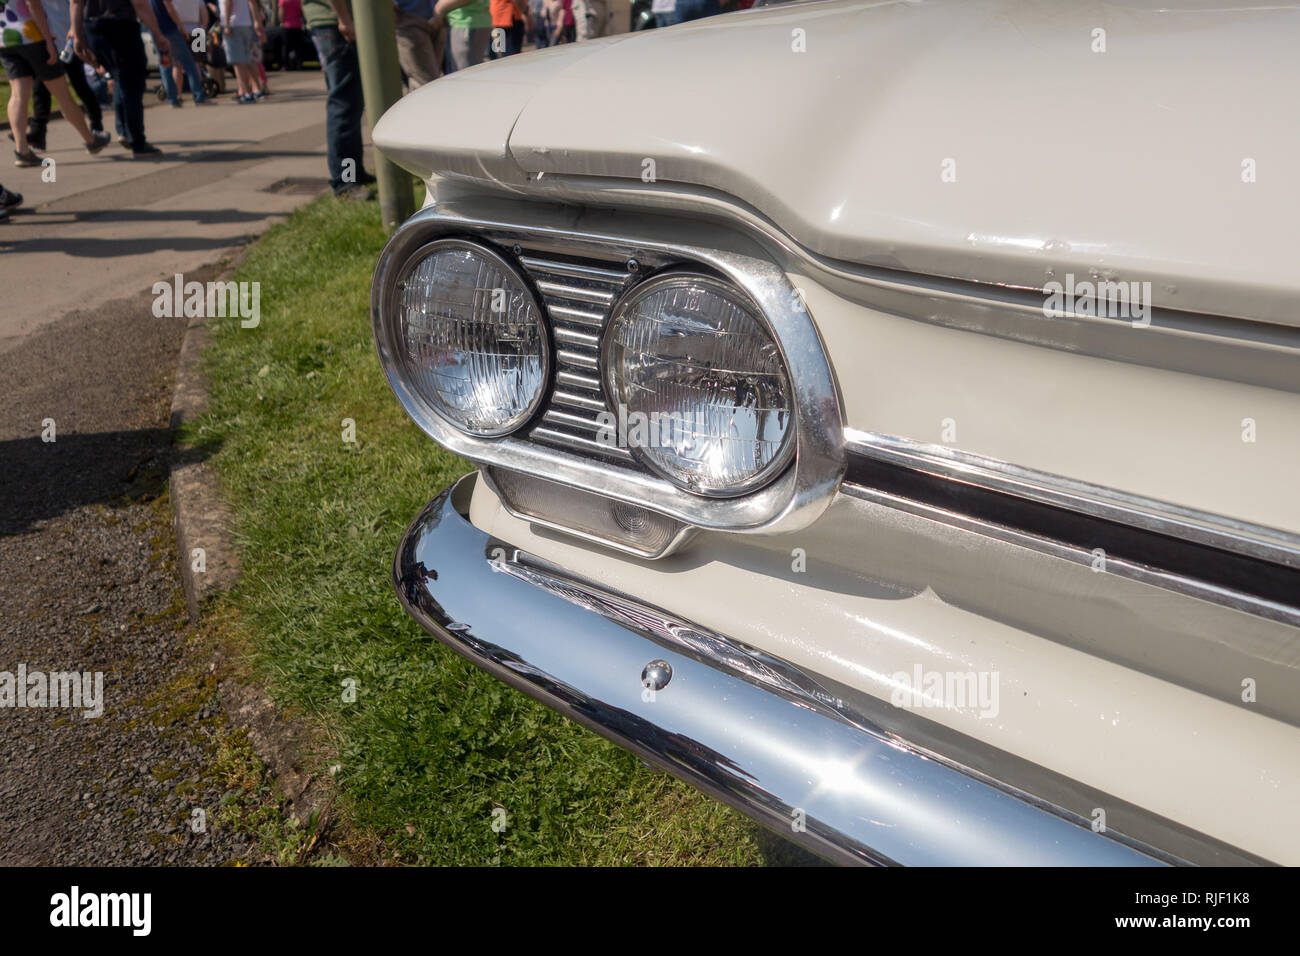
{"type": "Point", "coordinates": [1007, 142]}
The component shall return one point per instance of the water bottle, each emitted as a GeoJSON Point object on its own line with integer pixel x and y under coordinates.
{"type": "Point", "coordinates": [68, 52]}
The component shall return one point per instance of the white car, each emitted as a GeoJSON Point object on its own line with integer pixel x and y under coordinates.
{"type": "Point", "coordinates": [886, 416]}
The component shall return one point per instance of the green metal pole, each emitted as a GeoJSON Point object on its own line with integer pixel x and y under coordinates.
{"type": "Point", "coordinates": [381, 81]}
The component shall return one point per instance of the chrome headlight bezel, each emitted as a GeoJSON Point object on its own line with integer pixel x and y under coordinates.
{"type": "Point", "coordinates": [726, 289]}
{"type": "Point", "coordinates": [387, 325]}
{"type": "Point", "coordinates": [791, 499]}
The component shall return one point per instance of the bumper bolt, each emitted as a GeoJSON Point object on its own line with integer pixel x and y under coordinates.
{"type": "Point", "coordinates": [656, 675]}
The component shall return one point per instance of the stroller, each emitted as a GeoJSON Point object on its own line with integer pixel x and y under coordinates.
{"type": "Point", "coordinates": [211, 62]}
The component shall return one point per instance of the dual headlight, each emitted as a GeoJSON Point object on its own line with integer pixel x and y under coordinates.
{"type": "Point", "coordinates": [696, 383]}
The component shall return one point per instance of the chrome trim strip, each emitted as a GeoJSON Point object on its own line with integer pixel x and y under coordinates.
{"type": "Point", "coordinates": [746, 728]}
{"type": "Point", "coordinates": [793, 500]}
{"type": "Point", "coordinates": [1142, 573]}
{"type": "Point", "coordinates": [1269, 544]}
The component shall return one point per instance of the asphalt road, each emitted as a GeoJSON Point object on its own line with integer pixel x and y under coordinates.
{"type": "Point", "coordinates": [87, 567]}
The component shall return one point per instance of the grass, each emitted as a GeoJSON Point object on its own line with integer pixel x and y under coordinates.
{"type": "Point", "coordinates": [432, 746]}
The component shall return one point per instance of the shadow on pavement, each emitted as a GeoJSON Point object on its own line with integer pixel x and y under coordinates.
{"type": "Point", "coordinates": [43, 480]}
{"type": "Point", "coordinates": [112, 248]}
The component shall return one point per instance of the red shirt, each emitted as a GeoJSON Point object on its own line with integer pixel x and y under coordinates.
{"type": "Point", "coordinates": [291, 14]}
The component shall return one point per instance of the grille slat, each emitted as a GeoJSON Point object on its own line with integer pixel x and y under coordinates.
{"type": "Point", "coordinates": [576, 293]}
{"type": "Point", "coordinates": [577, 380]}
{"type": "Point", "coordinates": [587, 446]}
{"type": "Point", "coordinates": [594, 320]}
{"type": "Point", "coordinates": [574, 270]}
{"type": "Point", "coordinates": [587, 360]}
{"type": "Point", "coordinates": [574, 420]}
{"type": "Point", "coordinates": [576, 337]}
{"type": "Point", "coordinates": [575, 400]}
{"type": "Point", "coordinates": [578, 297]}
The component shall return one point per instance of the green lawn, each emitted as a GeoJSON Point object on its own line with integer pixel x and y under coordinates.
{"type": "Point", "coordinates": [432, 745]}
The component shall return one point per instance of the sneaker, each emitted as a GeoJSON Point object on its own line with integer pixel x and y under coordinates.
{"type": "Point", "coordinates": [36, 141]}
{"type": "Point", "coordinates": [354, 191]}
{"type": "Point", "coordinates": [123, 142]}
{"type": "Point", "coordinates": [366, 179]}
{"type": "Point", "coordinates": [258, 97]}
{"type": "Point", "coordinates": [26, 159]}
{"type": "Point", "coordinates": [148, 149]}
{"type": "Point", "coordinates": [97, 142]}
{"type": "Point", "coordinates": [177, 105]}
{"type": "Point", "coordinates": [9, 199]}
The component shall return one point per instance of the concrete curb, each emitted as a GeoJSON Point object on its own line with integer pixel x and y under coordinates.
{"type": "Point", "coordinates": [203, 520]}
{"type": "Point", "coordinates": [207, 558]}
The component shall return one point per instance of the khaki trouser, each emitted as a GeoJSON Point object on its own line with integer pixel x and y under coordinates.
{"type": "Point", "coordinates": [419, 48]}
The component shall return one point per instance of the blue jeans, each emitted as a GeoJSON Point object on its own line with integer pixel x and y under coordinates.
{"type": "Point", "coordinates": [344, 105]}
{"type": "Point", "coordinates": [180, 45]}
{"type": "Point", "coordinates": [688, 10]}
{"type": "Point", "coordinates": [117, 45]}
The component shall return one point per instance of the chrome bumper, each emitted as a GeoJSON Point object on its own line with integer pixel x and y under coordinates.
{"type": "Point", "coordinates": [746, 728]}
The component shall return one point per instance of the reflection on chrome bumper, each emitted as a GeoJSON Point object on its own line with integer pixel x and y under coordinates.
{"type": "Point", "coordinates": [751, 730]}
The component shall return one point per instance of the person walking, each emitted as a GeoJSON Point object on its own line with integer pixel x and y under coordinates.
{"type": "Point", "coordinates": [241, 19]}
{"type": "Point", "coordinates": [418, 42]}
{"type": "Point", "coordinates": [109, 31]}
{"type": "Point", "coordinates": [538, 29]}
{"type": "Point", "coordinates": [509, 24]}
{"type": "Point", "coordinates": [469, 31]}
{"type": "Point", "coordinates": [59, 13]}
{"type": "Point", "coordinates": [560, 21]}
{"type": "Point", "coordinates": [335, 37]}
{"type": "Point", "coordinates": [591, 19]}
{"type": "Point", "coordinates": [292, 34]}
{"type": "Point", "coordinates": [183, 65]}
{"type": "Point", "coordinates": [28, 53]}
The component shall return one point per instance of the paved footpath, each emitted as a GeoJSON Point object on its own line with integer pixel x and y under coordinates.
{"type": "Point", "coordinates": [87, 568]}
{"type": "Point", "coordinates": [110, 225]}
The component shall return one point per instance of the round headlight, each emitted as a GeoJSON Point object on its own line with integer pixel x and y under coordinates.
{"type": "Point", "coordinates": [700, 387]}
{"type": "Point", "coordinates": [470, 337]}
